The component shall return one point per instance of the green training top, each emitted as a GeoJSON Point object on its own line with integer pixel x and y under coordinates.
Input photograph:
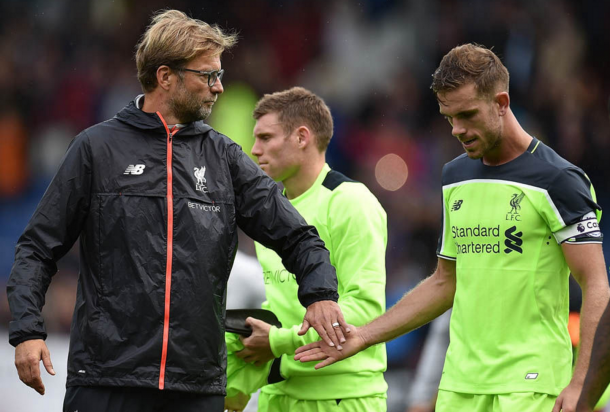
{"type": "Point", "coordinates": [353, 225]}
{"type": "Point", "coordinates": [504, 225]}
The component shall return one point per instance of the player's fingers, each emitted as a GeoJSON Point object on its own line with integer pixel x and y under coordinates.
{"type": "Point", "coordinates": [310, 357]}
{"type": "Point", "coordinates": [557, 406]}
{"type": "Point", "coordinates": [46, 361]}
{"type": "Point", "coordinates": [326, 362]}
{"type": "Point", "coordinates": [298, 356]}
{"type": "Point", "coordinates": [307, 347]}
{"type": "Point", "coordinates": [304, 327]}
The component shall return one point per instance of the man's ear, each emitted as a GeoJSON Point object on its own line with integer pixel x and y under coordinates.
{"type": "Point", "coordinates": [164, 77]}
{"type": "Point", "coordinates": [304, 137]}
{"type": "Point", "coordinates": [502, 99]}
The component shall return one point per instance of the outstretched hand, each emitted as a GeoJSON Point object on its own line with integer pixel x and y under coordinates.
{"type": "Point", "coordinates": [322, 351]}
{"type": "Point", "coordinates": [326, 318]}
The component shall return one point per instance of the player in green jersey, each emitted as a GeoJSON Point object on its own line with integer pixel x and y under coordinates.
{"type": "Point", "coordinates": [293, 129]}
{"type": "Point", "coordinates": [517, 218]}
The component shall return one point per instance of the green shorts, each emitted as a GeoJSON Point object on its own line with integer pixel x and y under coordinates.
{"type": "Point", "coordinates": [275, 403]}
{"type": "Point", "coordinates": [508, 402]}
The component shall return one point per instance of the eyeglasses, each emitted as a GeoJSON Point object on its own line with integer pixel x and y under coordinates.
{"type": "Point", "coordinates": [212, 76]}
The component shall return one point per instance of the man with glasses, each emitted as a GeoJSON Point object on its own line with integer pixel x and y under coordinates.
{"type": "Point", "coordinates": [156, 196]}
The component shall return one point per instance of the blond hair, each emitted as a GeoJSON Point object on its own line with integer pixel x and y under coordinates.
{"type": "Point", "coordinates": [471, 63]}
{"type": "Point", "coordinates": [173, 39]}
{"type": "Point", "coordinates": [296, 107]}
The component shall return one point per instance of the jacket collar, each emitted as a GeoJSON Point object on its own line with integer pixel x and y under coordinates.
{"type": "Point", "coordinates": [132, 115]}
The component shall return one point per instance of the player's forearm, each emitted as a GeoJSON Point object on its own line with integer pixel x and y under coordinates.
{"type": "Point", "coordinates": [431, 298]}
{"type": "Point", "coordinates": [595, 300]}
{"type": "Point", "coordinates": [598, 375]}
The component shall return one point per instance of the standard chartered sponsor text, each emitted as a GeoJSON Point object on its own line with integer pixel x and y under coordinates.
{"type": "Point", "coordinates": [488, 234]}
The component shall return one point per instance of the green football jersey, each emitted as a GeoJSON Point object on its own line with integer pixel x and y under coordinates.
{"type": "Point", "coordinates": [503, 226]}
{"type": "Point", "coordinates": [353, 225]}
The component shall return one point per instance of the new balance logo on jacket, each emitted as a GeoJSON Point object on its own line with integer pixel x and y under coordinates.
{"type": "Point", "coordinates": [134, 170]}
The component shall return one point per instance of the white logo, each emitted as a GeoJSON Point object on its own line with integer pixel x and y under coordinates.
{"type": "Point", "coordinates": [205, 208]}
{"type": "Point", "coordinates": [81, 371]}
{"type": "Point", "coordinates": [531, 376]}
{"type": "Point", "coordinates": [201, 181]}
{"type": "Point", "coordinates": [134, 170]}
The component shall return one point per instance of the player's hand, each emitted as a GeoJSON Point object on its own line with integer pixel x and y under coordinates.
{"type": "Point", "coordinates": [28, 355]}
{"type": "Point", "coordinates": [257, 348]}
{"type": "Point", "coordinates": [568, 398]}
{"type": "Point", "coordinates": [321, 351]}
{"type": "Point", "coordinates": [236, 403]}
{"type": "Point", "coordinates": [326, 318]}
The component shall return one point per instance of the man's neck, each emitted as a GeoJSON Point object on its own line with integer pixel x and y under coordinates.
{"type": "Point", "coordinates": [154, 102]}
{"type": "Point", "coordinates": [298, 184]}
{"type": "Point", "coordinates": [514, 142]}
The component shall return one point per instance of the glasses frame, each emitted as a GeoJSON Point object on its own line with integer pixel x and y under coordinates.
{"type": "Point", "coordinates": [213, 75]}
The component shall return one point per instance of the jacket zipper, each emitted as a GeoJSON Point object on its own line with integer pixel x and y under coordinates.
{"type": "Point", "coordinates": [170, 242]}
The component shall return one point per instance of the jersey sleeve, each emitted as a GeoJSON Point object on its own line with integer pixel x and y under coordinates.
{"type": "Point", "coordinates": [358, 232]}
{"type": "Point", "coordinates": [446, 246]}
{"type": "Point", "coordinates": [572, 212]}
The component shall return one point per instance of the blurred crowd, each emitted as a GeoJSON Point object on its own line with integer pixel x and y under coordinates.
{"type": "Point", "coordinates": [68, 64]}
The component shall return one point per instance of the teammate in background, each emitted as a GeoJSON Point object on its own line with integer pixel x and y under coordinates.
{"type": "Point", "coordinates": [156, 196]}
{"type": "Point", "coordinates": [517, 218]}
{"type": "Point", "coordinates": [293, 129]}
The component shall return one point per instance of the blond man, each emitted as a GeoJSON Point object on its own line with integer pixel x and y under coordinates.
{"type": "Point", "coordinates": [517, 219]}
{"type": "Point", "coordinates": [156, 196]}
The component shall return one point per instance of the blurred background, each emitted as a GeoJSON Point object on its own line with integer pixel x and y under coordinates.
{"type": "Point", "coordinates": [68, 64]}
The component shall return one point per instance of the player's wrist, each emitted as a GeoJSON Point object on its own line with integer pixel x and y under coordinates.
{"type": "Point", "coordinates": [366, 337]}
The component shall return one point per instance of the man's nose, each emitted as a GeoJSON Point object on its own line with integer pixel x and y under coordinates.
{"type": "Point", "coordinates": [217, 88]}
{"type": "Point", "coordinates": [458, 130]}
{"type": "Point", "coordinates": [256, 149]}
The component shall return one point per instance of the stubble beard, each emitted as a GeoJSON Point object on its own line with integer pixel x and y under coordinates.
{"type": "Point", "coordinates": [188, 108]}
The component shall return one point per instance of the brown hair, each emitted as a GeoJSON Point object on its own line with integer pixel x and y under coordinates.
{"type": "Point", "coordinates": [173, 39]}
{"type": "Point", "coordinates": [470, 63]}
{"type": "Point", "coordinates": [296, 107]}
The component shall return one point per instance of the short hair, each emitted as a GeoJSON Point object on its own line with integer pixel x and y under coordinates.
{"type": "Point", "coordinates": [174, 39]}
{"type": "Point", "coordinates": [296, 107]}
{"type": "Point", "coordinates": [471, 63]}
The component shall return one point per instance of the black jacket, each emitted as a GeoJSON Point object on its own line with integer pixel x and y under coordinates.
{"type": "Point", "coordinates": [157, 217]}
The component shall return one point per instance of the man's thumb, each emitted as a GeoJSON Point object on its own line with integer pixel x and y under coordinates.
{"type": "Point", "coordinates": [304, 327]}
{"type": "Point", "coordinates": [46, 361]}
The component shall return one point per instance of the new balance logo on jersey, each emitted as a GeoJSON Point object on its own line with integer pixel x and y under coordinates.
{"type": "Point", "coordinates": [531, 376]}
{"type": "Point", "coordinates": [456, 205]}
{"type": "Point", "coordinates": [134, 170]}
{"type": "Point", "coordinates": [513, 240]}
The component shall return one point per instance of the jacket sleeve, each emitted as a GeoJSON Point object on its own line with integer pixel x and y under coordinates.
{"type": "Point", "coordinates": [265, 215]}
{"type": "Point", "coordinates": [357, 226]}
{"type": "Point", "coordinates": [49, 235]}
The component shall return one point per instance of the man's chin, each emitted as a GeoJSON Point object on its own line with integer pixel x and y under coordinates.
{"type": "Point", "coordinates": [473, 154]}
